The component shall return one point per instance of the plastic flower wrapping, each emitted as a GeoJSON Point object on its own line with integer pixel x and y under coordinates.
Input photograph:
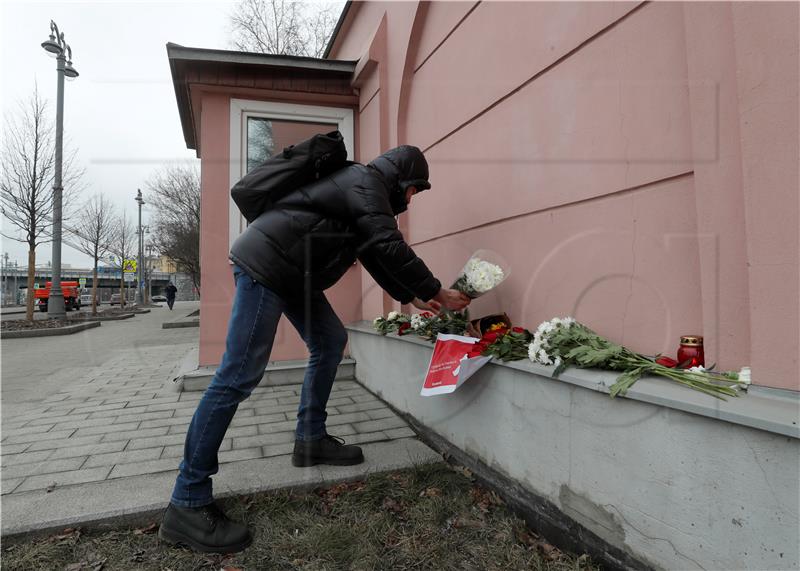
{"type": "Point", "coordinates": [484, 271]}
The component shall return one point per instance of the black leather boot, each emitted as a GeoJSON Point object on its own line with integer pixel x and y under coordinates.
{"type": "Point", "coordinates": [205, 529]}
{"type": "Point", "coordinates": [328, 450]}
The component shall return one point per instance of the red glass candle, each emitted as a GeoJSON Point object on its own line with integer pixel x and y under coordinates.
{"type": "Point", "coordinates": [690, 353]}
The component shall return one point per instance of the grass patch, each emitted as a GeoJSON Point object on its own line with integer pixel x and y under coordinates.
{"type": "Point", "coordinates": [427, 517]}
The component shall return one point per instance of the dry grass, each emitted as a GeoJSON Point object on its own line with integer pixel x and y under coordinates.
{"type": "Point", "coordinates": [428, 517]}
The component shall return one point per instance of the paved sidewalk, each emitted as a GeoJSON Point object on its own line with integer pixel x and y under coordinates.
{"type": "Point", "coordinates": [110, 444]}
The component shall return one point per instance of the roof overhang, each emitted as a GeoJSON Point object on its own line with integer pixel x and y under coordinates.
{"type": "Point", "coordinates": [235, 71]}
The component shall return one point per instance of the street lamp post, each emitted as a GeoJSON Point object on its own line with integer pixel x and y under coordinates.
{"type": "Point", "coordinates": [139, 288]}
{"type": "Point", "coordinates": [63, 53]}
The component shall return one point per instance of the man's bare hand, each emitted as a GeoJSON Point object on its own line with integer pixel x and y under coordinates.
{"type": "Point", "coordinates": [433, 306]}
{"type": "Point", "coordinates": [452, 299]}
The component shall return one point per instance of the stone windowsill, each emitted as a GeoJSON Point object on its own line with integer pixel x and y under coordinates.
{"type": "Point", "coordinates": [772, 410]}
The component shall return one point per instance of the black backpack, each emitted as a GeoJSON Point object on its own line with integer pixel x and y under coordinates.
{"type": "Point", "coordinates": [296, 166]}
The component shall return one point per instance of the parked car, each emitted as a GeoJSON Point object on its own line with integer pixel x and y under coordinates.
{"type": "Point", "coordinates": [159, 298]}
{"type": "Point", "coordinates": [86, 299]}
{"type": "Point", "coordinates": [114, 299]}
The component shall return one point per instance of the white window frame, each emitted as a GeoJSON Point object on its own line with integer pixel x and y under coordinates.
{"type": "Point", "coordinates": [243, 109]}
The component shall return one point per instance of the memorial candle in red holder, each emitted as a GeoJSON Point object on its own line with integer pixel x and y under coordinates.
{"type": "Point", "coordinates": [690, 353]}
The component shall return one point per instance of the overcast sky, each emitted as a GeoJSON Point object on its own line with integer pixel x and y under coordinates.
{"type": "Point", "coordinates": [121, 113]}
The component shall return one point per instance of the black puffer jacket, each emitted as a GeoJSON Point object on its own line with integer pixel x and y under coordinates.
{"type": "Point", "coordinates": [311, 237]}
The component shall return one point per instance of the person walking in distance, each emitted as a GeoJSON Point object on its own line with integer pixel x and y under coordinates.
{"type": "Point", "coordinates": [282, 263]}
{"type": "Point", "coordinates": [170, 292]}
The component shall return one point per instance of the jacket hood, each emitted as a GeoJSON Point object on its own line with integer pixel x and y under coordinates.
{"type": "Point", "coordinates": [402, 167]}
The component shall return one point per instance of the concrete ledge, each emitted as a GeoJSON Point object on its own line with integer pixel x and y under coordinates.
{"type": "Point", "coordinates": [68, 330]}
{"type": "Point", "coordinates": [672, 489]}
{"type": "Point", "coordinates": [773, 410]}
{"type": "Point", "coordinates": [276, 373]}
{"type": "Point", "coordinates": [104, 503]}
{"type": "Point", "coordinates": [103, 317]}
{"type": "Point", "coordinates": [190, 320]}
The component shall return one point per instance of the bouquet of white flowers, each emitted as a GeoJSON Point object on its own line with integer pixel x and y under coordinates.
{"type": "Point", "coordinates": [483, 272]}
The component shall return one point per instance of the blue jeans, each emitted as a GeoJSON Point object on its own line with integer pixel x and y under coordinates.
{"type": "Point", "coordinates": [251, 332]}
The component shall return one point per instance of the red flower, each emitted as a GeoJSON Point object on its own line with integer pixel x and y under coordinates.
{"type": "Point", "coordinates": [427, 314]}
{"type": "Point", "coordinates": [490, 337]}
{"type": "Point", "coordinates": [403, 327]}
{"type": "Point", "coordinates": [667, 362]}
{"type": "Point", "coordinates": [518, 330]}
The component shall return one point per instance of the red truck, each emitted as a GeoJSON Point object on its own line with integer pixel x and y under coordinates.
{"type": "Point", "coordinates": [72, 297]}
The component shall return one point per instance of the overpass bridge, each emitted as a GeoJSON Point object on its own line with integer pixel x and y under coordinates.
{"type": "Point", "coordinates": [16, 279]}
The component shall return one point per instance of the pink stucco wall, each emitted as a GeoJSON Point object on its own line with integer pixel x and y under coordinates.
{"type": "Point", "coordinates": [635, 162]}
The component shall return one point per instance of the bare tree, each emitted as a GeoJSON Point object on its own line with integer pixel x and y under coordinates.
{"type": "Point", "coordinates": [176, 198]}
{"type": "Point", "coordinates": [26, 181]}
{"type": "Point", "coordinates": [93, 233]}
{"type": "Point", "coordinates": [123, 247]}
{"type": "Point", "coordinates": [284, 27]}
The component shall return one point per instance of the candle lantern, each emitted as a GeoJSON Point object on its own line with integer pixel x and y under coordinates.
{"type": "Point", "coordinates": [690, 353]}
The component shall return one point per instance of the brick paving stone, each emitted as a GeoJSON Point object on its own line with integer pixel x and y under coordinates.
{"type": "Point", "coordinates": [276, 409]}
{"type": "Point", "coordinates": [46, 467]}
{"type": "Point", "coordinates": [376, 425]}
{"type": "Point", "coordinates": [126, 457]}
{"type": "Point", "coordinates": [289, 400]}
{"type": "Point", "coordinates": [367, 437]}
{"type": "Point", "coordinates": [257, 419]}
{"type": "Point", "coordinates": [143, 416]}
{"type": "Point", "coordinates": [250, 430]}
{"type": "Point", "coordinates": [287, 426]}
{"type": "Point", "coordinates": [239, 454]}
{"type": "Point", "coordinates": [67, 406]}
{"type": "Point", "coordinates": [83, 423]}
{"type": "Point", "coordinates": [254, 402]}
{"type": "Point", "coordinates": [364, 405]}
{"type": "Point", "coordinates": [35, 429]}
{"type": "Point", "coordinates": [380, 413]}
{"type": "Point", "coordinates": [339, 401]}
{"type": "Point", "coordinates": [90, 409]}
{"type": "Point", "coordinates": [349, 392]}
{"type": "Point", "coordinates": [140, 433]}
{"type": "Point", "coordinates": [160, 422]}
{"type": "Point", "coordinates": [117, 412]}
{"type": "Point", "coordinates": [10, 484]}
{"type": "Point", "coordinates": [179, 428]}
{"type": "Point", "coordinates": [25, 458]}
{"type": "Point", "coordinates": [146, 467]}
{"type": "Point", "coordinates": [14, 448]}
{"type": "Point", "coordinates": [88, 449]}
{"type": "Point", "coordinates": [403, 432]}
{"type": "Point", "coordinates": [159, 440]}
{"type": "Point", "coordinates": [51, 419]}
{"type": "Point", "coordinates": [344, 385]}
{"type": "Point", "coordinates": [52, 435]}
{"type": "Point", "coordinates": [347, 418]}
{"type": "Point", "coordinates": [58, 443]}
{"type": "Point", "coordinates": [263, 439]}
{"type": "Point", "coordinates": [342, 430]}
{"type": "Point", "coordinates": [63, 478]}
{"type": "Point", "coordinates": [56, 397]}
{"type": "Point", "coordinates": [89, 430]}
{"type": "Point", "coordinates": [171, 406]}
{"type": "Point", "coordinates": [364, 398]}
{"type": "Point", "coordinates": [277, 449]}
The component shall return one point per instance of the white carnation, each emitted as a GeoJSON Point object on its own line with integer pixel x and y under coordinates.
{"type": "Point", "coordinates": [392, 315]}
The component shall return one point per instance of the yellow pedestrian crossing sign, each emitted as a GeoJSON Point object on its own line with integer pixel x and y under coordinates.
{"type": "Point", "coordinates": [129, 267]}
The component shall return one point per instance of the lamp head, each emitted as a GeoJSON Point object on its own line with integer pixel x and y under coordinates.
{"type": "Point", "coordinates": [54, 45]}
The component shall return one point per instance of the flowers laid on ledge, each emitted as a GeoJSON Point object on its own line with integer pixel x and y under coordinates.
{"type": "Point", "coordinates": [563, 342]}
{"type": "Point", "coordinates": [426, 325]}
